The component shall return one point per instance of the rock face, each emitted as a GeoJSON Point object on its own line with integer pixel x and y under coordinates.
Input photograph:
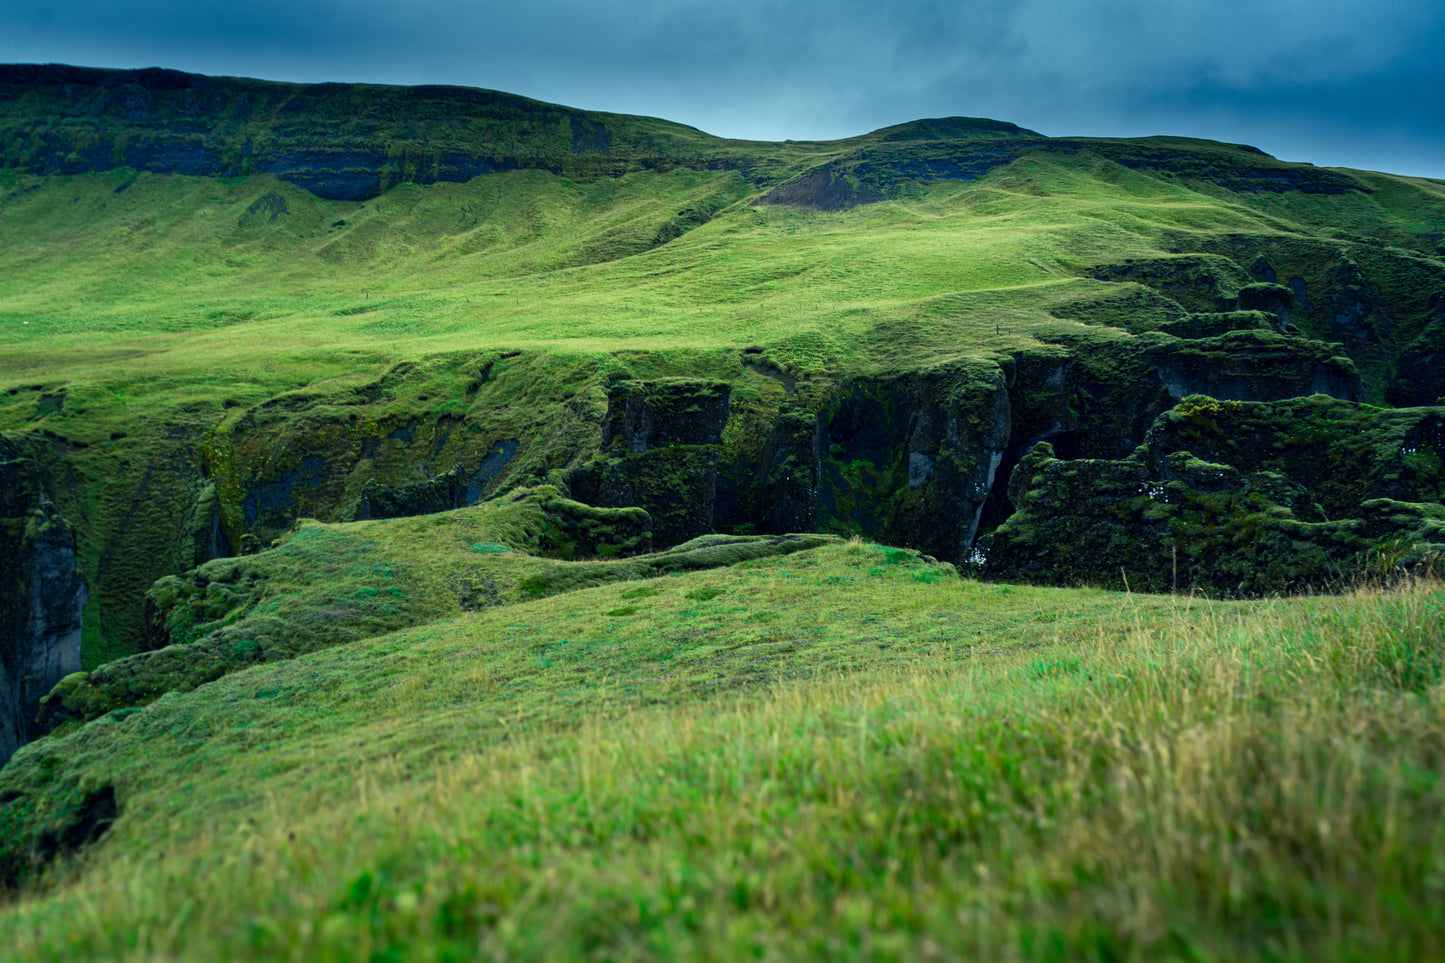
{"type": "Point", "coordinates": [1233, 498]}
{"type": "Point", "coordinates": [41, 598]}
{"type": "Point", "coordinates": [1420, 371]}
{"type": "Point", "coordinates": [1254, 365]}
{"type": "Point", "coordinates": [920, 458]}
{"type": "Point", "coordinates": [662, 442]}
{"type": "Point", "coordinates": [914, 458]}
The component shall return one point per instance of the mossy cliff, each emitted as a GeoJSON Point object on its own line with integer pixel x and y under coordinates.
{"type": "Point", "coordinates": [41, 597]}
{"type": "Point", "coordinates": [1233, 498]}
{"type": "Point", "coordinates": [661, 444]}
{"type": "Point", "coordinates": [913, 458]}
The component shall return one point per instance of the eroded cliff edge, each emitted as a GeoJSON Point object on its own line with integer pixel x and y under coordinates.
{"type": "Point", "coordinates": [42, 596]}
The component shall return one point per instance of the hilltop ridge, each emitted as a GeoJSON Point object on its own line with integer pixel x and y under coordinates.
{"type": "Point", "coordinates": [354, 141]}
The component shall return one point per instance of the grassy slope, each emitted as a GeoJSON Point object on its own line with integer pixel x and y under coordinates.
{"type": "Point", "coordinates": [157, 309]}
{"type": "Point", "coordinates": [759, 761]}
{"type": "Point", "coordinates": [947, 769]}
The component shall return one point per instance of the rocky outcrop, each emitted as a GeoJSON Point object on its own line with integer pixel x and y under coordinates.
{"type": "Point", "coordinates": [1215, 324]}
{"type": "Point", "coordinates": [921, 458]}
{"type": "Point", "coordinates": [1254, 365]}
{"type": "Point", "coordinates": [42, 596]}
{"type": "Point", "coordinates": [1198, 282]}
{"type": "Point", "coordinates": [457, 487]}
{"type": "Point", "coordinates": [1354, 311]}
{"type": "Point", "coordinates": [825, 189]}
{"type": "Point", "coordinates": [358, 455]}
{"type": "Point", "coordinates": [1420, 370]}
{"type": "Point", "coordinates": [1276, 299]}
{"type": "Point", "coordinates": [1255, 515]}
{"type": "Point", "coordinates": [662, 441]}
{"type": "Point", "coordinates": [1345, 454]}
{"type": "Point", "coordinates": [911, 460]}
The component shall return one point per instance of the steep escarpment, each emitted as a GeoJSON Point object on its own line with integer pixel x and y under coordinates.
{"type": "Point", "coordinates": [916, 457]}
{"type": "Point", "coordinates": [338, 141]}
{"type": "Point", "coordinates": [42, 597]}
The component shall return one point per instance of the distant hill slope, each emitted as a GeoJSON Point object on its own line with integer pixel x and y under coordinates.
{"type": "Point", "coordinates": [353, 141]}
{"type": "Point", "coordinates": [227, 304]}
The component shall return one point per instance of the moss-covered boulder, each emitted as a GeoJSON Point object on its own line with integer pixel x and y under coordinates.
{"type": "Point", "coordinates": [1269, 297]}
{"type": "Point", "coordinates": [1344, 453]}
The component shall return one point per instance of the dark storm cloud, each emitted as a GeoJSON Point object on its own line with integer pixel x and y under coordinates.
{"type": "Point", "coordinates": [1338, 82]}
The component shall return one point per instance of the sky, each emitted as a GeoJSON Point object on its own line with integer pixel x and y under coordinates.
{"type": "Point", "coordinates": [1355, 83]}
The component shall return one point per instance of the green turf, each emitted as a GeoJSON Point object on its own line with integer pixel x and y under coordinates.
{"type": "Point", "coordinates": [845, 752]}
{"type": "Point", "coordinates": [833, 753]}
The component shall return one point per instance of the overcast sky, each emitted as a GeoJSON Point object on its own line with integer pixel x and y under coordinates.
{"type": "Point", "coordinates": [1358, 83]}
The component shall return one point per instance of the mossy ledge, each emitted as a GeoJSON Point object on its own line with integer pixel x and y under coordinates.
{"type": "Point", "coordinates": [326, 585]}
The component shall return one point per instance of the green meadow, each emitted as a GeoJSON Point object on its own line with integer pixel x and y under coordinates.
{"type": "Point", "coordinates": [463, 743]}
{"type": "Point", "coordinates": [837, 754]}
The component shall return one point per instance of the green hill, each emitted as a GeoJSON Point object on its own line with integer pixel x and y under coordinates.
{"type": "Point", "coordinates": [473, 430]}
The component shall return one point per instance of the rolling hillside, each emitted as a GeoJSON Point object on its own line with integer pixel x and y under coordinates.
{"type": "Point", "coordinates": [456, 526]}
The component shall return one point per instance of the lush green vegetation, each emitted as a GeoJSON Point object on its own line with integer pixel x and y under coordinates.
{"type": "Point", "coordinates": [830, 754]}
{"type": "Point", "coordinates": [483, 733]}
{"type": "Point", "coordinates": [133, 324]}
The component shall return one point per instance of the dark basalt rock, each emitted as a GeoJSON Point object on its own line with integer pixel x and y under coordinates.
{"type": "Point", "coordinates": [1254, 365]}
{"type": "Point", "coordinates": [42, 596]}
{"type": "Point", "coordinates": [792, 471]}
{"type": "Point", "coordinates": [825, 189]}
{"type": "Point", "coordinates": [1165, 519]}
{"type": "Point", "coordinates": [643, 415]}
{"type": "Point", "coordinates": [662, 442]}
{"type": "Point", "coordinates": [1420, 371]}
{"type": "Point", "coordinates": [347, 457]}
{"type": "Point", "coordinates": [1354, 310]}
{"type": "Point", "coordinates": [911, 460]}
{"type": "Point", "coordinates": [456, 488]}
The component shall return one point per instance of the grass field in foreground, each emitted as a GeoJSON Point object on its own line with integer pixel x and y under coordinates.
{"type": "Point", "coordinates": [993, 772]}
